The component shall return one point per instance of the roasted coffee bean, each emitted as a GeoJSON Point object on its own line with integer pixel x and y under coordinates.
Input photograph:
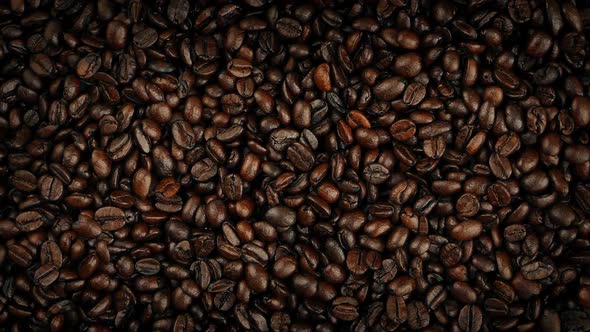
{"type": "Point", "coordinates": [88, 66]}
{"type": "Point", "coordinates": [418, 315]}
{"type": "Point", "coordinates": [396, 309]}
{"type": "Point", "coordinates": [50, 253]}
{"type": "Point", "coordinates": [389, 89]}
{"type": "Point", "coordinates": [435, 297]}
{"type": "Point", "coordinates": [536, 271]}
{"type": "Point", "coordinates": [281, 216]}
{"type": "Point", "coordinates": [289, 28]}
{"type": "Point", "coordinates": [29, 221]}
{"type": "Point", "coordinates": [301, 156]}
{"type": "Point", "coordinates": [470, 318]}
{"type": "Point", "coordinates": [45, 275]}
{"type": "Point", "coordinates": [467, 230]}
{"type": "Point", "coordinates": [24, 181]}
{"type": "Point", "coordinates": [376, 174]}
{"type": "Point", "coordinates": [345, 308]}
{"type": "Point", "coordinates": [147, 266]}
{"type": "Point", "coordinates": [51, 187]}
{"type": "Point", "coordinates": [403, 130]}
{"type": "Point", "coordinates": [111, 218]}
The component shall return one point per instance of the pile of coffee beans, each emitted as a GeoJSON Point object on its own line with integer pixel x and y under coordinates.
{"type": "Point", "coordinates": [386, 165]}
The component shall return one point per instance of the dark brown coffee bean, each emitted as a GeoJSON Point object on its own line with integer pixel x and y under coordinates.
{"type": "Point", "coordinates": [407, 65]}
{"type": "Point", "coordinates": [536, 271]}
{"type": "Point", "coordinates": [51, 188]}
{"type": "Point", "coordinates": [24, 181]}
{"type": "Point", "coordinates": [500, 166]}
{"type": "Point", "coordinates": [289, 28]}
{"type": "Point", "coordinates": [45, 275]}
{"type": "Point", "coordinates": [29, 221]}
{"type": "Point", "coordinates": [101, 163]}
{"type": "Point", "coordinates": [145, 38]}
{"type": "Point", "coordinates": [376, 174]}
{"type": "Point", "coordinates": [178, 11]}
{"type": "Point", "coordinates": [414, 94]}
{"type": "Point", "coordinates": [451, 254]}
{"type": "Point", "coordinates": [355, 262]}
{"type": "Point", "coordinates": [183, 322]}
{"type": "Point", "coordinates": [239, 68]}
{"type": "Point", "coordinates": [467, 230]}
{"type": "Point", "coordinates": [389, 89]}
{"type": "Point", "coordinates": [470, 318]}
{"type": "Point", "coordinates": [418, 315]}
{"type": "Point", "coordinates": [403, 130]}
{"type": "Point", "coordinates": [345, 308]}
{"type": "Point", "coordinates": [116, 34]}
{"type": "Point", "coordinates": [183, 134]}
{"type": "Point", "coordinates": [321, 77]}
{"type": "Point", "coordinates": [498, 194]}
{"type": "Point", "coordinates": [396, 309]}
{"type": "Point", "coordinates": [467, 205]}
{"type": "Point", "coordinates": [147, 266]}
{"type": "Point", "coordinates": [281, 216]}
{"type": "Point", "coordinates": [111, 218]}
{"type": "Point", "coordinates": [515, 233]}
{"type": "Point", "coordinates": [50, 253]}
{"type": "Point", "coordinates": [256, 277]}
{"type": "Point", "coordinates": [301, 156]}
{"type": "Point", "coordinates": [88, 66]}
{"type": "Point", "coordinates": [435, 297]}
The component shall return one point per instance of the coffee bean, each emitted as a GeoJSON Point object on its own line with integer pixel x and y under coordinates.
{"type": "Point", "coordinates": [289, 28]}
{"type": "Point", "coordinates": [46, 275]}
{"type": "Point", "coordinates": [301, 156]}
{"type": "Point", "coordinates": [145, 38]}
{"type": "Point", "coordinates": [389, 89]}
{"type": "Point", "coordinates": [407, 65]}
{"type": "Point", "coordinates": [403, 130]}
{"type": "Point", "coordinates": [376, 174]}
{"type": "Point", "coordinates": [467, 230]}
{"type": "Point", "coordinates": [256, 277]}
{"type": "Point", "coordinates": [51, 254]}
{"type": "Point", "coordinates": [147, 266]}
{"type": "Point", "coordinates": [498, 194]}
{"type": "Point", "coordinates": [414, 94]}
{"type": "Point", "coordinates": [178, 11]}
{"type": "Point", "coordinates": [536, 271]}
{"type": "Point", "coordinates": [356, 263]}
{"type": "Point", "coordinates": [451, 254]}
{"type": "Point", "coordinates": [345, 309]}
{"type": "Point", "coordinates": [467, 205]}
{"type": "Point", "coordinates": [500, 166]}
{"type": "Point", "coordinates": [88, 66]}
{"type": "Point", "coordinates": [183, 134]}
{"type": "Point", "coordinates": [51, 188]}
{"type": "Point", "coordinates": [111, 218]}
{"type": "Point", "coordinates": [321, 77]}
{"type": "Point", "coordinates": [20, 255]}
{"type": "Point", "coordinates": [24, 181]}
{"type": "Point", "coordinates": [470, 318]}
{"type": "Point", "coordinates": [435, 297]}
{"type": "Point", "coordinates": [396, 309]}
{"type": "Point", "coordinates": [418, 316]}
{"type": "Point", "coordinates": [29, 221]}
{"type": "Point", "coordinates": [515, 233]}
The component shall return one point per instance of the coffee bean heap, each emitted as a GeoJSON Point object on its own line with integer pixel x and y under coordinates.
{"type": "Point", "coordinates": [390, 165]}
